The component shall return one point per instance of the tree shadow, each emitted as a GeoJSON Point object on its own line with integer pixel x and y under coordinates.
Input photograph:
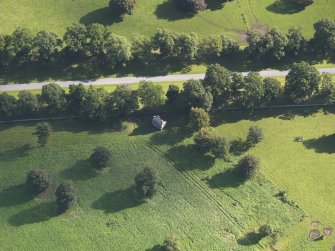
{"type": "Point", "coordinates": [170, 11]}
{"type": "Point", "coordinates": [229, 178]}
{"type": "Point", "coordinates": [188, 157]}
{"type": "Point", "coordinates": [80, 170]}
{"type": "Point", "coordinates": [103, 16]}
{"type": "Point", "coordinates": [117, 201]}
{"type": "Point", "coordinates": [215, 4]}
{"type": "Point", "coordinates": [170, 136]}
{"type": "Point", "coordinates": [250, 239]}
{"type": "Point", "coordinates": [13, 154]}
{"type": "Point", "coordinates": [238, 147]}
{"type": "Point", "coordinates": [36, 214]}
{"type": "Point", "coordinates": [15, 195]}
{"type": "Point", "coordinates": [284, 7]}
{"type": "Point", "coordinates": [155, 248]}
{"type": "Point", "coordinates": [324, 144]}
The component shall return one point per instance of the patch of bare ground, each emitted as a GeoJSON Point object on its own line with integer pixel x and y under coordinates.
{"type": "Point", "coordinates": [256, 27]}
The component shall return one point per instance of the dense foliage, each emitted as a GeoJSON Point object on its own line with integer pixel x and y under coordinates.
{"type": "Point", "coordinates": [101, 157]}
{"type": "Point", "coordinates": [38, 180]}
{"type": "Point", "coordinates": [65, 196]}
{"type": "Point", "coordinates": [255, 135]}
{"type": "Point", "coordinates": [42, 132]}
{"type": "Point", "coordinates": [248, 167]}
{"type": "Point", "coordinates": [146, 183]}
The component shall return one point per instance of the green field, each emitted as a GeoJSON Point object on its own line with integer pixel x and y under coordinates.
{"type": "Point", "coordinates": [232, 18]}
{"type": "Point", "coordinates": [199, 200]}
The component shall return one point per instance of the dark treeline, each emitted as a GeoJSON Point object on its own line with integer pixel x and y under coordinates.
{"type": "Point", "coordinates": [220, 88]}
{"type": "Point", "coordinates": [95, 43]}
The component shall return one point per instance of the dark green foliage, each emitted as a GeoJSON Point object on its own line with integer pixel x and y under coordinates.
{"type": "Point", "coordinates": [252, 93]}
{"type": "Point", "coordinates": [172, 93]}
{"type": "Point", "coordinates": [266, 230]}
{"type": "Point", "coordinates": [150, 94]}
{"type": "Point", "coordinates": [146, 183]}
{"type": "Point", "coordinates": [186, 47]}
{"type": "Point", "coordinates": [7, 105]}
{"type": "Point", "coordinates": [53, 96]}
{"type": "Point", "coordinates": [171, 244]}
{"type": "Point", "coordinates": [328, 88]}
{"type": "Point", "coordinates": [255, 135]}
{"type": "Point", "coordinates": [42, 132]}
{"type": "Point", "coordinates": [210, 47]}
{"type": "Point", "coordinates": [96, 35]}
{"type": "Point", "coordinates": [122, 7]}
{"type": "Point", "coordinates": [101, 157]}
{"type": "Point", "coordinates": [193, 6]}
{"type": "Point", "coordinates": [163, 42]}
{"type": "Point", "coordinates": [203, 139]}
{"type": "Point", "coordinates": [324, 36]}
{"type": "Point", "coordinates": [75, 38]}
{"type": "Point", "coordinates": [248, 167]}
{"type": "Point", "coordinates": [22, 45]}
{"type": "Point", "coordinates": [302, 81]}
{"type": "Point", "coordinates": [27, 104]}
{"type": "Point", "coordinates": [198, 118]}
{"type": "Point", "coordinates": [65, 196]}
{"type": "Point", "coordinates": [220, 147]}
{"type": "Point", "coordinates": [47, 45]}
{"type": "Point", "coordinates": [93, 105]}
{"type": "Point", "coordinates": [142, 48]}
{"type": "Point", "coordinates": [196, 95]}
{"type": "Point", "coordinates": [38, 181]}
{"type": "Point", "coordinates": [229, 47]}
{"type": "Point", "coordinates": [75, 98]}
{"type": "Point", "coordinates": [296, 42]}
{"type": "Point", "coordinates": [218, 80]}
{"type": "Point", "coordinates": [272, 89]}
{"type": "Point", "coordinates": [123, 100]}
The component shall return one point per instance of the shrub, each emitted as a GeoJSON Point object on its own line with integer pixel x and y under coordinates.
{"type": "Point", "coordinates": [101, 157]}
{"type": "Point", "coordinates": [146, 183]}
{"type": "Point", "coordinates": [198, 119]}
{"type": "Point", "coordinates": [38, 180]}
{"type": "Point", "coordinates": [42, 132]}
{"type": "Point", "coordinates": [150, 94]}
{"type": "Point", "coordinates": [172, 93]}
{"type": "Point", "coordinates": [171, 244]}
{"type": "Point", "coordinates": [248, 167]}
{"type": "Point", "coordinates": [255, 135]}
{"type": "Point", "coordinates": [122, 7]}
{"type": "Point", "coordinates": [266, 230]}
{"type": "Point", "coordinates": [220, 147]}
{"type": "Point", "coordinates": [203, 139]}
{"type": "Point", "coordinates": [65, 196]}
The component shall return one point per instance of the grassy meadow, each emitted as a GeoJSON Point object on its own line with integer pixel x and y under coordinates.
{"type": "Point", "coordinates": [199, 200]}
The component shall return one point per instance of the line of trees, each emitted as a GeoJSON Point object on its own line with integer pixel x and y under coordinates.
{"type": "Point", "coordinates": [220, 88]}
{"type": "Point", "coordinates": [110, 50]}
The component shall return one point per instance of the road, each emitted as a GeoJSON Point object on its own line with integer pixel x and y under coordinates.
{"type": "Point", "coordinates": [133, 80]}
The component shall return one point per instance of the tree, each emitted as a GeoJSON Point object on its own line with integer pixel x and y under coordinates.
{"type": "Point", "coordinates": [163, 42]}
{"type": "Point", "coordinates": [22, 44]}
{"type": "Point", "coordinates": [198, 118]}
{"type": "Point", "coordinates": [196, 95]}
{"type": "Point", "coordinates": [229, 47]}
{"type": "Point", "coordinates": [46, 44]}
{"type": "Point", "coordinates": [277, 41]}
{"type": "Point", "coordinates": [248, 167]}
{"type": "Point", "coordinates": [186, 47]}
{"type": "Point", "coordinates": [218, 79]}
{"type": "Point", "coordinates": [150, 94]}
{"type": "Point", "coordinates": [171, 244]}
{"type": "Point", "coordinates": [122, 7]}
{"type": "Point", "coordinates": [117, 51]}
{"type": "Point", "coordinates": [27, 103]}
{"type": "Point", "coordinates": [93, 104]}
{"type": "Point", "coordinates": [266, 230]}
{"type": "Point", "coordinates": [193, 6]}
{"type": "Point", "coordinates": [324, 36]}
{"type": "Point", "coordinates": [302, 81]}
{"type": "Point", "coordinates": [203, 139]}
{"type": "Point", "coordinates": [146, 183]}
{"type": "Point", "coordinates": [253, 92]}
{"type": "Point", "coordinates": [172, 93]}
{"type": "Point", "coordinates": [97, 34]}
{"type": "Point", "coordinates": [7, 105]}
{"type": "Point", "coordinates": [42, 132]}
{"type": "Point", "coordinates": [54, 97]}
{"type": "Point", "coordinates": [142, 48]}
{"type": "Point", "coordinates": [220, 147]}
{"type": "Point", "coordinates": [255, 135]}
{"type": "Point", "coordinates": [75, 38]}
{"type": "Point", "coordinates": [101, 157]}
{"type": "Point", "coordinates": [38, 181]}
{"type": "Point", "coordinates": [75, 98]}
{"type": "Point", "coordinates": [296, 42]}
{"type": "Point", "coordinates": [328, 88]}
{"type": "Point", "coordinates": [123, 100]}
{"type": "Point", "coordinates": [65, 196]}
{"type": "Point", "coordinates": [210, 47]}
{"type": "Point", "coordinates": [272, 89]}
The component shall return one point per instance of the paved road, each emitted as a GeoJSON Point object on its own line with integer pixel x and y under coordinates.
{"type": "Point", "coordinates": [133, 80]}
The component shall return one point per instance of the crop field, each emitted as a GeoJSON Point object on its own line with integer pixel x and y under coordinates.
{"type": "Point", "coordinates": [230, 18]}
{"type": "Point", "coordinates": [199, 200]}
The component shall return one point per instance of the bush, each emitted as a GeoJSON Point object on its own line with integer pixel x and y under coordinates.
{"type": "Point", "coordinates": [248, 167]}
{"type": "Point", "coordinates": [122, 7]}
{"type": "Point", "coordinates": [101, 157]}
{"type": "Point", "coordinates": [220, 147]}
{"type": "Point", "coordinates": [171, 244]}
{"type": "Point", "coordinates": [255, 135]}
{"type": "Point", "coordinates": [203, 139]}
{"type": "Point", "coordinates": [146, 183]}
{"type": "Point", "coordinates": [42, 132]}
{"type": "Point", "coordinates": [193, 6]}
{"type": "Point", "coordinates": [198, 119]}
{"type": "Point", "coordinates": [195, 95]}
{"type": "Point", "coordinates": [38, 180]}
{"type": "Point", "coordinates": [65, 196]}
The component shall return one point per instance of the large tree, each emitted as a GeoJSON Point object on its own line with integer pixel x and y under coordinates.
{"type": "Point", "coordinates": [324, 36]}
{"type": "Point", "coordinates": [65, 196]}
{"type": "Point", "coordinates": [27, 103]}
{"type": "Point", "coordinates": [248, 167]}
{"type": "Point", "coordinates": [123, 100]}
{"type": "Point", "coordinates": [101, 157]}
{"type": "Point", "coordinates": [186, 47]}
{"type": "Point", "coordinates": [253, 91]}
{"type": "Point", "coordinates": [198, 118]}
{"type": "Point", "coordinates": [22, 45]}
{"type": "Point", "coordinates": [196, 95]}
{"type": "Point", "coordinates": [122, 7]}
{"type": "Point", "coordinates": [150, 94]}
{"type": "Point", "coordinates": [146, 183]}
{"type": "Point", "coordinates": [163, 42]}
{"type": "Point", "coordinates": [53, 96]}
{"type": "Point", "coordinates": [93, 104]}
{"type": "Point", "coordinates": [75, 98]}
{"type": "Point", "coordinates": [38, 180]}
{"type": "Point", "coordinates": [272, 89]}
{"type": "Point", "coordinates": [75, 38]}
{"type": "Point", "coordinates": [7, 105]}
{"type": "Point", "coordinates": [47, 44]}
{"type": "Point", "coordinates": [96, 35]}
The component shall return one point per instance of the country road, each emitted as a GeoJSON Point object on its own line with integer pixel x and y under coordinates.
{"type": "Point", "coordinates": [133, 80]}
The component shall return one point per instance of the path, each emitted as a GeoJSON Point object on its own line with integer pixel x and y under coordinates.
{"type": "Point", "coordinates": [133, 80]}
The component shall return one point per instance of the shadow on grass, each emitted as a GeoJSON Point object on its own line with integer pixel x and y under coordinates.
{"type": "Point", "coordinates": [36, 214]}
{"type": "Point", "coordinates": [13, 154]}
{"type": "Point", "coordinates": [15, 195]}
{"type": "Point", "coordinates": [170, 11]}
{"type": "Point", "coordinates": [324, 144]}
{"type": "Point", "coordinates": [156, 248]}
{"type": "Point", "coordinates": [170, 136]}
{"type": "Point", "coordinates": [250, 239]}
{"type": "Point", "coordinates": [188, 157]}
{"type": "Point", "coordinates": [81, 170]}
{"type": "Point", "coordinates": [103, 16]}
{"type": "Point", "coordinates": [229, 178]}
{"type": "Point", "coordinates": [117, 201]}
{"type": "Point", "coordinates": [284, 7]}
